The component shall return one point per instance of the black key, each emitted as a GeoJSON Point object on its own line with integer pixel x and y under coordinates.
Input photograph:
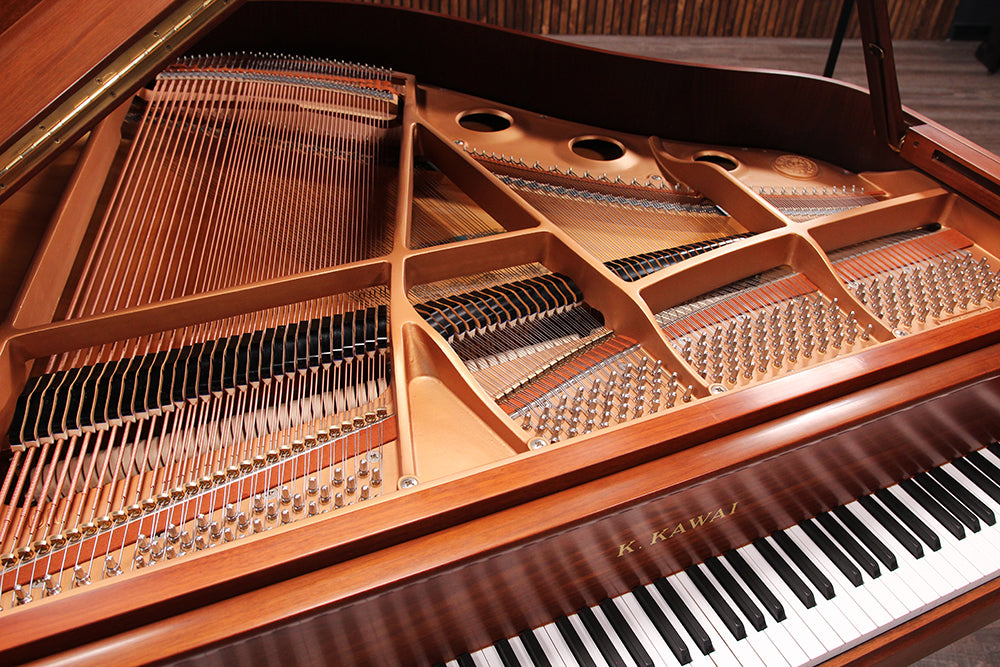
{"type": "Point", "coordinates": [534, 649]}
{"type": "Point", "coordinates": [662, 625]}
{"type": "Point", "coordinates": [912, 521]}
{"type": "Point", "coordinates": [736, 592]}
{"type": "Point", "coordinates": [995, 448]}
{"type": "Point", "coordinates": [805, 565]}
{"type": "Point", "coordinates": [576, 645]}
{"type": "Point", "coordinates": [867, 537]}
{"type": "Point", "coordinates": [964, 496]}
{"type": "Point", "coordinates": [465, 660]}
{"type": "Point", "coordinates": [833, 552]}
{"type": "Point", "coordinates": [721, 607]}
{"type": "Point", "coordinates": [684, 615]}
{"type": "Point", "coordinates": [950, 503]}
{"type": "Point", "coordinates": [850, 545]}
{"type": "Point", "coordinates": [600, 638]}
{"type": "Point", "coordinates": [756, 585]}
{"type": "Point", "coordinates": [985, 465]}
{"type": "Point", "coordinates": [786, 573]}
{"type": "Point", "coordinates": [903, 536]}
{"type": "Point", "coordinates": [507, 655]}
{"type": "Point", "coordinates": [625, 634]}
{"type": "Point", "coordinates": [940, 514]}
{"type": "Point", "coordinates": [976, 476]}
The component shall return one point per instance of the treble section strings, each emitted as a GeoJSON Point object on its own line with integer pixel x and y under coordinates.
{"type": "Point", "coordinates": [245, 168]}
{"type": "Point", "coordinates": [918, 278]}
{"type": "Point", "coordinates": [634, 229]}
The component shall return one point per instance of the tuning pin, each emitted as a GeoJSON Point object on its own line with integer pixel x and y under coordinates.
{"type": "Point", "coordinates": [80, 576]}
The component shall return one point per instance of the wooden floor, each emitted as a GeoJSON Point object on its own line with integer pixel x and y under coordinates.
{"type": "Point", "coordinates": [941, 80]}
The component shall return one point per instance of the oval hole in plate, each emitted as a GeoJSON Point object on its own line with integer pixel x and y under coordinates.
{"type": "Point", "coordinates": [485, 121]}
{"type": "Point", "coordinates": [597, 148]}
{"type": "Point", "coordinates": [727, 162]}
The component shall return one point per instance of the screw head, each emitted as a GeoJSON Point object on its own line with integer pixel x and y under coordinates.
{"type": "Point", "coordinates": [408, 482]}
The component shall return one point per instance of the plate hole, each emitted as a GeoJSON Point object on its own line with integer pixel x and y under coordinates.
{"type": "Point", "coordinates": [598, 148]}
{"type": "Point", "coordinates": [485, 121]}
{"type": "Point", "coordinates": [726, 162]}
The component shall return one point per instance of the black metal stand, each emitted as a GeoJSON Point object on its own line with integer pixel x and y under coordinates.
{"type": "Point", "coordinates": [838, 37]}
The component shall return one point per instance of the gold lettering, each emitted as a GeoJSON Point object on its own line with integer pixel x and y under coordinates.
{"type": "Point", "coordinates": [697, 521]}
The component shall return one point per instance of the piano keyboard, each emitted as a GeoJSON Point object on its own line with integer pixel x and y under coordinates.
{"type": "Point", "coordinates": [799, 596]}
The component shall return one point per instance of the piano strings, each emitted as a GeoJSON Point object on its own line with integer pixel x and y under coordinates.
{"type": "Point", "coordinates": [442, 213]}
{"type": "Point", "coordinates": [801, 203]}
{"type": "Point", "coordinates": [761, 327]}
{"type": "Point", "coordinates": [635, 229]}
{"type": "Point", "coordinates": [533, 344]}
{"type": "Point", "coordinates": [146, 449]}
{"type": "Point", "coordinates": [917, 279]}
{"type": "Point", "coordinates": [242, 169]}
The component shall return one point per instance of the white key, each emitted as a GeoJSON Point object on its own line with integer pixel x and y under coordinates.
{"type": "Point", "coordinates": [480, 658]}
{"type": "Point", "coordinates": [777, 631]}
{"type": "Point", "coordinates": [830, 610]}
{"type": "Point", "coordinates": [609, 630]}
{"type": "Point", "coordinates": [721, 655]}
{"type": "Point", "coordinates": [759, 641]}
{"type": "Point", "coordinates": [945, 561]}
{"type": "Point", "coordinates": [978, 546]}
{"type": "Point", "coordinates": [809, 620]}
{"type": "Point", "coordinates": [902, 588]}
{"type": "Point", "coordinates": [644, 629]}
{"type": "Point", "coordinates": [558, 643]}
{"type": "Point", "coordinates": [587, 641]}
{"type": "Point", "coordinates": [926, 583]}
{"type": "Point", "coordinates": [698, 658]}
{"type": "Point", "coordinates": [990, 533]}
{"type": "Point", "coordinates": [722, 640]}
{"type": "Point", "coordinates": [937, 562]}
{"type": "Point", "coordinates": [877, 585]}
{"type": "Point", "coordinates": [855, 602]}
{"type": "Point", "coordinates": [553, 653]}
{"type": "Point", "coordinates": [491, 657]}
{"type": "Point", "coordinates": [520, 651]}
{"type": "Point", "coordinates": [793, 623]}
{"type": "Point", "coordinates": [965, 556]}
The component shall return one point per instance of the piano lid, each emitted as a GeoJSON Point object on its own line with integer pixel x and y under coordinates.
{"type": "Point", "coordinates": [60, 92]}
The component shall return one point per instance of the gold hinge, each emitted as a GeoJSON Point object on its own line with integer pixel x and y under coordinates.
{"type": "Point", "coordinates": [103, 88]}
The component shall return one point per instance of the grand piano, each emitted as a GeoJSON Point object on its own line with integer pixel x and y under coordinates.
{"type": "Point", "coordinates": [490, 350]}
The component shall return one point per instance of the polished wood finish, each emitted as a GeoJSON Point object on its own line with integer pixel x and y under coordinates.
{"type": "Point", "coordinates": [477, 554]}
{"type": "Point", "coordinates": [45, 69]}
